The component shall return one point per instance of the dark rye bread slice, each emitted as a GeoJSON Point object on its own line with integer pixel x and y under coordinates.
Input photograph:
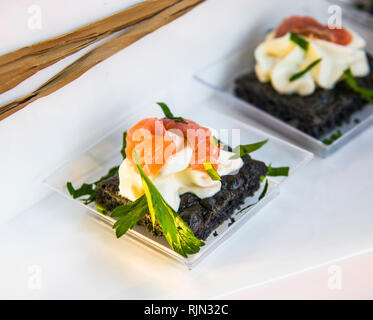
{"type": "Point", "coordinates": [202, 215]}
{"type": "Point", "coordinates": [317, 114]}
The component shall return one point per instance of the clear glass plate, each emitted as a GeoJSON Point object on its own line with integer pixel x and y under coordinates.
{"type": "Point", "coordinates": [95, 162]}
{"type": "Point", "coordinates": [220, 76]}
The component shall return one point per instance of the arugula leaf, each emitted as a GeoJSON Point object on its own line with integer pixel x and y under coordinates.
{"type": "Point", "coordinates": [168, 114]}
{"type": "Point", "coordinates": [366, 94]}
{"type": "Point", "coordinates": [176, 231]}
{"type": "Point", "coordinates": [278, 172]}
{"type": "Point", "coordinates": [130, 214]}
{"type": "Point", "coordinates": [243, 150]}
{"type": "Point", "coordinates": [124, 145]}
{"type": "Point", "coordinates": [304, 71]}
{"type": "Point", "coordinates": [211, 171]}
{"type": "Point", "coordinates": [303, 43]}
{"type": "Point", "coordinates": [335, 136]}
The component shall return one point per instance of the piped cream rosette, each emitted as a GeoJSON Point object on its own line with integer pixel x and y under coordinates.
{"type": "Point", "coordinates": [277, 59]}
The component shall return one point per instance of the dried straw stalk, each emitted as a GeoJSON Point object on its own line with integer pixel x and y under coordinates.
{"type": "Point", "coordinates": [18, 65]}
{"type": "Point", "coordinates": [100, 53]}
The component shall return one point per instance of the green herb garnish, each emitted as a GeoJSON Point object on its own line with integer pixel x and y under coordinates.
{"type": "Point", "coordinates": [366, 94]}
{"type": "Point", "coordinates": [243, 150]}
{"type": "Point", "coordinates": [175, 230]}
{"type": "Point", "coordinates": [101, 209]}
{"type": "Point", "coordinates": [304, 71]}
{"type": "Point", "coordinates": [264, 192]}
{"type": "Point", "coordinates": [278, 172]}
{"type": "Point", "coordinates": [84, 190]}
{"type": "Point", "coordinates": [216, 141]}
{"type": "Point", "coordinates": [247, 207]}
{"type": "Point", "coordinates": [303, 43]}
{"type": "Point", "coordinates": [211, 171]}
{"type": "Point", "coordinates": [89, 189]}
{"type": "Point", "coordinates": [262, 195]}
{"type": "Point", "coordinates": [129, 215]}
{"type": "Point", "coordinates": [124, 145]}
{"type": "Point", "coordinates": [272, 172]}
{"type": "Point", "coordinates": [335, 136]}
{"type": "Point", "coordinates": [168, 114]}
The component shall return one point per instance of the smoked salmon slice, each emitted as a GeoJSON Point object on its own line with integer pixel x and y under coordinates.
{"type": "Point", "coordinates": [199, 139]}
{"type": "Point", "coordinates": [309, 27]}
{"type": "Point", "coordinates": [152, 143]}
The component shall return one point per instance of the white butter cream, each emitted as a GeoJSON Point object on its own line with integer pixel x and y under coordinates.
{"type": "Point", "coordinates": [277, 59]}
{"type": "Point", "coordinates": [176, 177]}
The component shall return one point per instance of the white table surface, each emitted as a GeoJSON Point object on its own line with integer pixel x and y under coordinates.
{"type": "Point", "coordinates": [323, 216]}
{"type": "Point", "coordinates": [355, 282]}
{"type": "Point", "coordinates": [310, 224]}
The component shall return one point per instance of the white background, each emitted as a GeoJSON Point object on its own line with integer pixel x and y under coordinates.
{"type": "Point", "coordinates": [324, 213]}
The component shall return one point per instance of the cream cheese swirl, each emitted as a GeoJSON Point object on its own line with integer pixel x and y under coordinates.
{"type": "Point", "coordinates": [277, 59]}
{"type": "Point", "coordinates": [176, 177]}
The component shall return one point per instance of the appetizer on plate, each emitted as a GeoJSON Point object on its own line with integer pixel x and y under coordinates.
{"type": "Point", "coordinates": [312, 76]}
{"type": "Point", "coordinates": [178, 180]}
